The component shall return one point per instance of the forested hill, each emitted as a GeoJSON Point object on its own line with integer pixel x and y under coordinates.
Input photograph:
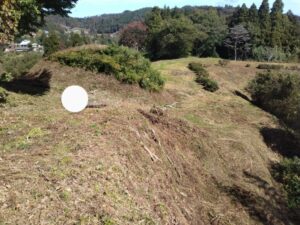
{"type": "Point", "coordinates": [110, 23]}
{"type": "Point", "coordinates": [106, 23]}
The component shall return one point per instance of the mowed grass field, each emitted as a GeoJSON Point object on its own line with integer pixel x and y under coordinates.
{"type": "Point", "coordinates": [182, 156]}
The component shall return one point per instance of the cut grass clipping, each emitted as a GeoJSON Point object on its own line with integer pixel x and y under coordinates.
{"type": "Point", "coordinates": [127, 65]}
{"type": "Point", "coordinates": [270, 67]}
{"type": "Point", "coordinates": [203, 77]}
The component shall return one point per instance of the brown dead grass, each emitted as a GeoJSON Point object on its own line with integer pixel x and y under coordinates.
{"type": "Point", "coordinates": [189, 163]}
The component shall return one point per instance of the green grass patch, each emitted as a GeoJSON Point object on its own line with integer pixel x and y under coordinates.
{"type": "Point", "coordinates": [194, 119]}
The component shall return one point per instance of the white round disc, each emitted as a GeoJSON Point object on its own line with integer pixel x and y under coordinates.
{"type": "Point", "coordinates": [74, 99]}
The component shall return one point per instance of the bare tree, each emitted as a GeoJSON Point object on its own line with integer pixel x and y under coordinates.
{"type": "Point", "coordinates": [238, 40]}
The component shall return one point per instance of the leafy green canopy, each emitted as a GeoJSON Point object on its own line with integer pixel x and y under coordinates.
{"type": "Point", "coordinates": [269, 28]}
{"type": "Point", "coordinates": [212, 29]}
{"type": "Point", "coordinates": [23, 16]}
{"type": "Point", "coordinates": [171, 35]}
{"type": "Point", "coordinates": [174, 33]}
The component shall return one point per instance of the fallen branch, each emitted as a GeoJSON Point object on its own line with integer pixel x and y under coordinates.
{"type": "Point", "coordinates": [94, 106]}
{"type": "Point", "coordinates": [152, 155]}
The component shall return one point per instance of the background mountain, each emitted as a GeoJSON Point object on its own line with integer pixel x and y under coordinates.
{"type": "Point", "coordinates": [111, 23]}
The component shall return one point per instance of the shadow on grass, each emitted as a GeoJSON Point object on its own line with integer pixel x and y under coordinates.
{"type": "Point", "coordinates": [33, 83]}
{"type": "Point", "coordinates": [281, 141]}
{"type": "Point", "coordinates": [270, 208]}
{"type": "Point", "coordinates": [242, 95]}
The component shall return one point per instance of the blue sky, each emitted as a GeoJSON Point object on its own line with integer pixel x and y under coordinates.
{"type": "Point", "coordinates": [97, 7]}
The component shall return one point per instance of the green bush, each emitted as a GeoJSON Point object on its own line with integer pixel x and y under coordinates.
{"type": "Point", "coordinates": [270, 67]}
{"type": "Point", "coordinates": [127, 65]}
{"type": "Point", "coordinates": [224, 62]}
{"type": "Point", "coordinates": [203, 77]}
{"type": "Point", "coordinates": [198, 69]}
{"type": "Point", "coordinates": [288, 172]}
{"type": "Point", "coordinates": [263, 54]}
{"type": "Point", "coordinates": [278, 93]}
{"type": "Point", "coordinates": [3, 95]}
{"type": "Point", "coordinates": [208, 84]}
{"type": "Point", "coordinates": [16, 65]}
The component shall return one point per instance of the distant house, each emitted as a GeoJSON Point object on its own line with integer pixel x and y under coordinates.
{"type": "Point", "coordinates": [24, 46]}
{"type": "Point", "coordinates": [77, 30]}
{"type": "Point", "coordinates": [37, 48]}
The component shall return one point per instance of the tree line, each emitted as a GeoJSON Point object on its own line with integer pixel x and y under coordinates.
{"type": "Point", "coordinates": [264, 33]}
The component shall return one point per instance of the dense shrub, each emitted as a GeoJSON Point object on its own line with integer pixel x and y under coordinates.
{"type": "Point", "coordinates": [278, 93]}
{"type": "Point", "coordinates": [16, 65]}
{"type": "Point", "coordinates": [288, 172]}
{"type": "Point", "coordinates": [224, 62]}
{"type": "Point", "coordinates": [248, 65]}
{"type": "Point", "coordinates": [198, 69]}
{"type": "Point", "coordinates": [172, 38]}
{"type": "Point", "coordinates": [127, 65]}
{"type": "Point", "coordinates": [268, 54]}
{"type": "Point", "coordinates": [270, 67]}
{"type": "Point", "coordinates": [3, 95]}
{"type": "Point", "coordinates": [203, 77]}
{"type": "Point", "coordinates": [208, 84]}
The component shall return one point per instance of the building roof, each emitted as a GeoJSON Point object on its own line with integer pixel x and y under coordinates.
{"type": "Point", "coordinates": [25, 42]}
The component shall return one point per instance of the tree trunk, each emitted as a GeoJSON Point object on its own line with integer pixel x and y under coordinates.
{"type": "Point", "coordinates": [235, 51]}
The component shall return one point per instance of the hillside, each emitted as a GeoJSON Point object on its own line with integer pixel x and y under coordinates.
{"type": "Point", "coordinates": [110, 23]}
{"type": "Point", "coordinates": [195, 158]}
{"type": "Point", "coordinates": [106, 23]}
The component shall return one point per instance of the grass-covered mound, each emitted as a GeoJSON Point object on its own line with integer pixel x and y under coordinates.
{"type": "Point", "coordinates": [127, 65]}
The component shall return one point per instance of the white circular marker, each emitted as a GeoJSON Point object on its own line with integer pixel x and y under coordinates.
{"type": "Point", "coordinates": [74, 99]}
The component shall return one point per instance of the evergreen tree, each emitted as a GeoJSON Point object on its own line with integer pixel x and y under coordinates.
{"type": "Point", "coordinates": [212, 29]}
{"type": "Point", "coordinates": [243, 14]}
{"type": "Point", "coordinates": [51, 44]}
{"type": "Point", "coordinates": [277, 24]}
{"type": "Point", "coordinates": [253, 14]}
{"type": "Point", "coordinates": [253, 25]}
{"type": "Point", "coordinates": [154, 19]}
{"type": "Point", "coordinates": [291, 40]}
{"type": "Point", "coordinates": [238, 40]}
{"type": "Point", "coordinates": [240, 16]}
{"type": "Point", "coordinates": [265, 23]}
{"type": "Point", "coordinates": [234, 19]}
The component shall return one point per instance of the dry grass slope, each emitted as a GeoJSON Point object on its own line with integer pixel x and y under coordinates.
{"type": "Point", "coordinates": [195, 158]}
